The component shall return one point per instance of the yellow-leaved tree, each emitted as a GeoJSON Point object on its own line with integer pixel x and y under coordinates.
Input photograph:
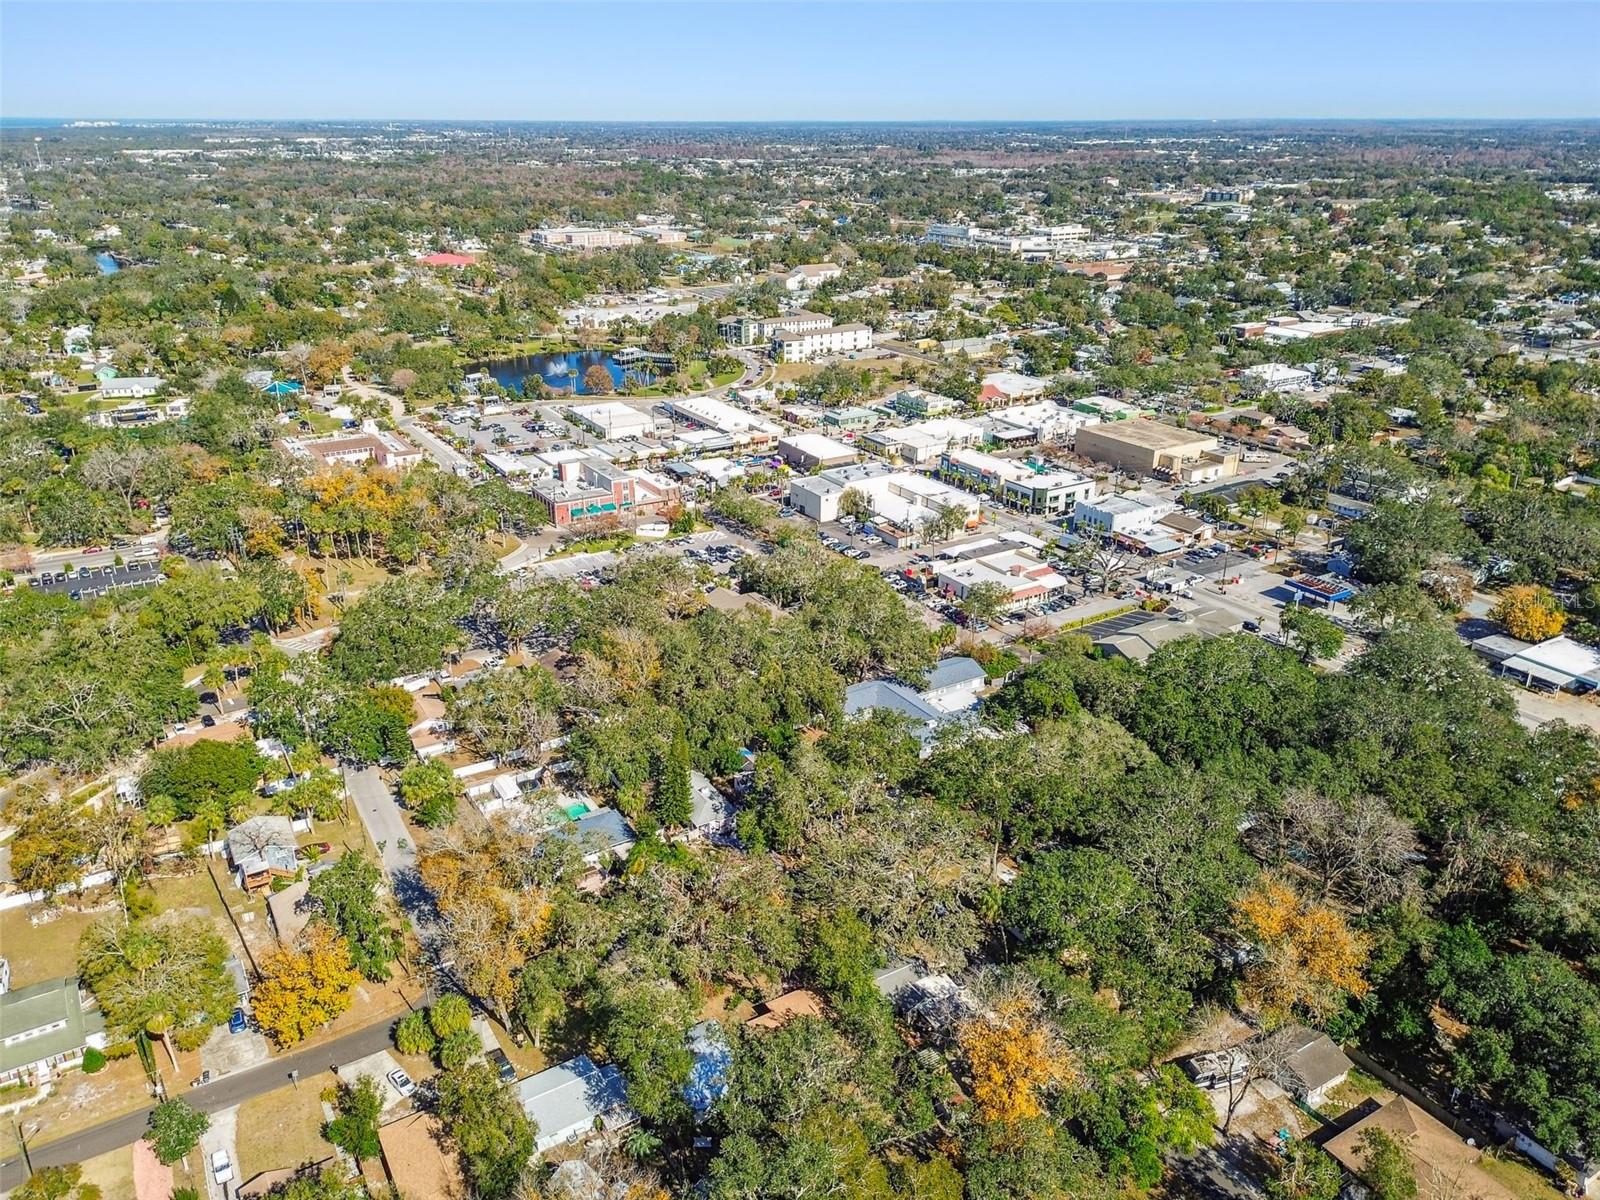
{"type": "Point", "coordinates": [1011, 1059]}
{"type": "Point", "coordinates": [1308, 958]}
{"type": "Point", "coordinates": [304, 986]}
{"type": "Point", "coordinates": [1529, 612]}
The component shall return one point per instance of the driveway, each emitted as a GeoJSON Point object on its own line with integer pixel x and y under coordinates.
{"type": "Point", "coordinates": [224, 1052]}
{"type": "Point", "coordinates": [380, 811]}
{"type": "Point", "coordinates": [375, 800]}
{"type": "Point", "coordinates": [221, 1136]}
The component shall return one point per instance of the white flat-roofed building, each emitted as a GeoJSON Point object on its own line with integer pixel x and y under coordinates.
{"type": "Point", "coordinates": [807, 451]}
{"type": "Point", "coordinates": [612, 420]}
{"type": "Point", "coordinates": [1134, 513]}
{"type": "Point", "coordinates": [746, 428]}
{"type": "Point", "coordinates": [1044, 421]}
{"type": "Point", "coordinates": [1275, 377]}
{"type": "Point", "coordinates": [580, 237]}
{"type": "Point", "coordinates": [923, 442]}
{"type": "Point", "coordinates": [920, 403]}
{"type": "Point", "coordinates": [835, 339]}
{"type": "Point", "coordinates": [901, 502]}
{"type": "Point", "coordinates": [1017, 484]}
{"type": "Point", "coordinates": [1029, 579]}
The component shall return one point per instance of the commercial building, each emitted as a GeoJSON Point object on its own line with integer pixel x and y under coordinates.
{"type": "Point", "coordinates": [919, 403]}
{"type": "Point", "coordinates": [1153, 448]}
{"type": "Point", "coordinates": [835, 339]}
{"type": "Point", "coordinates": [612, 420]}
{"type": "Point", "coordinates": [745, 428]}
{"type": "Point", "coordinates": [923, 442]}
{"type": "Point", "coordinates": [808, 451]}
{"type": "Point", "coordinates": [1021, 485]}
{"type": "Point", "coordinates": [371, 444]}
{"type": "Point", "coordinates": [1000, 388]}
{"type": "Point", "coordinates": [901, 503]}
{"type": "Point", "coordinates": [1027, 578]}
{"type": "Point", "coordinates": [1275, 377]}
{"type": "Point", "coordinates": [1106, 408]}
{"type": "Point", "coordinates": [747, 331]}
{"type": "Point", "coordinates": [1040, 422]}
{"type": "Point", "coordinates": [591, 488]}
{"type": "Point", "coordinates": [45, 1027]}
{"type": "Point", "coordinates": [851, 418]}
{"type": "Point", "coordinates": [579, 237]}
{"type": "Point", "coordinates": [809, 275]}
{"type": "Point", "coordinates": [1134, 514]}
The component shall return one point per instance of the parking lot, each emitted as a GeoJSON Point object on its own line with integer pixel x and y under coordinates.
{"type": "Point", "coordinates": [87, 582]}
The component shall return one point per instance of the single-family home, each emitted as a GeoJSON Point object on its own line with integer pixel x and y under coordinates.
{"type": "Point", "coordinates": [1312, 1065]}
{"type": "Point", "coordinates": [603, 833]}
{"type": "Point", "coordinates": [711, 814]}
{"type": "Point", "coordinates": [262, 849]}
{"type": "Point", "coordinates": [421, 1159]}
{"type": "Point", "coordinates": [45, 1027]}
{"type": "Point", "coordinates": [1441, 1161]}
{"type": "Point", "coordinates": [573, 1099]}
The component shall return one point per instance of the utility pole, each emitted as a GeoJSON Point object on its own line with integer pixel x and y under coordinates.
{"type": "Point", "coordinates": [22, 1144]}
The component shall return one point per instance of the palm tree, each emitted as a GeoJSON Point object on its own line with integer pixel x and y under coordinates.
{"type": "Point", "coordinates": [640, 1144]}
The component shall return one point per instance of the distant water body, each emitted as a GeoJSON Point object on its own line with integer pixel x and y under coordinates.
{"type": "Point", "coordinates": [107, 264]}
{"type": "Point", "coordinates": [560, 372]}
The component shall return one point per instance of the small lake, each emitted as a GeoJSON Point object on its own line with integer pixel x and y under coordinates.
{"type": "Point", "coordinates": [562, 372]}
{"type": "Point", "coordinates": [107, 264]}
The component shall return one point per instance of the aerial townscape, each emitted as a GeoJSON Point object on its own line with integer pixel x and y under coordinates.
{"type": "Point", "coordinates": [761, 659]}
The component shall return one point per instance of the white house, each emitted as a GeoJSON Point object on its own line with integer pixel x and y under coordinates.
{"type": "Point", "coordinates": [573, 1099]}
{"type": "Point", "coordinates": [131, 387]}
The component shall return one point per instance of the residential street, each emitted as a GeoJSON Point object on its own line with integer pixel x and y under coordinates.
{"type": "Point", "coordinates": [227, 1092]}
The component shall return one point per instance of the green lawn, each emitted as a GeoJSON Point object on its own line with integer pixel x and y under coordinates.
{"type": "Point", "coordinates": [1522, 1178]}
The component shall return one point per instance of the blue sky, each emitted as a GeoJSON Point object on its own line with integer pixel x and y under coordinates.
{"type": "Point", "coordinates": [768, 60]}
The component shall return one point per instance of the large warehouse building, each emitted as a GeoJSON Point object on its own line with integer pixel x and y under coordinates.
{"type": "Point", "coordinates": [1154, 448]}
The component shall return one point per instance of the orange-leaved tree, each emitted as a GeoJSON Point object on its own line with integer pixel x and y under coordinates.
{"type": "Point", "coordinates": [1308, 958]}
{"type": "Point", "coordinates": [1529, 612]}
{"type": "Point", "coordinates": [304, 986]}
{"type": "Point", "coordinates": [1011, 1060]}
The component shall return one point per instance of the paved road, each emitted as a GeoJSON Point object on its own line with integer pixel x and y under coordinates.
{"type": "Point", "coordinates": [223, 1093]}
{"type": "Point", "coordinates": [445, 455]}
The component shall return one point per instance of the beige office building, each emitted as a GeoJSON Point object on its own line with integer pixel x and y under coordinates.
{"type": "Point", "coordinates": [1154, 448]}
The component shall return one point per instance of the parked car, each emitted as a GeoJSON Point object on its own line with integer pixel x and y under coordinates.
{"type": "Point", "coordinates": [402, 1082]}
{"type": "Point", "coordinates": [502, 1065]}
{"type": "Point", "coordinates": [221, 1167]}
{"type": "Point", "coordinates": [236, 1023]}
